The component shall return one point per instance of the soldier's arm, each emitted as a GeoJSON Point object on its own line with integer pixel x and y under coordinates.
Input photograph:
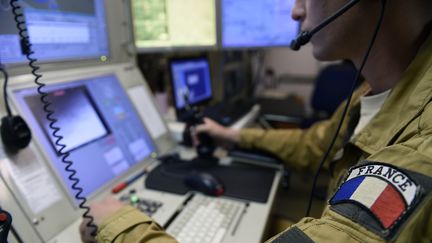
{"type": "Point", "coordinates": [301, 148]}
{"type": "Point", "coordinates": [387, 198]}
{"type": "Point", "coordinates": [130, 225]}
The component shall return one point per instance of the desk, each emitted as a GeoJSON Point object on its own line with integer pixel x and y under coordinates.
{"type": "Point", "coordinates": [253, 224]}
{"type": "Point", "coordinates": [250, 229]}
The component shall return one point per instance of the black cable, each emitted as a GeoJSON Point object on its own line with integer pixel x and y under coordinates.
{"type": "Point", "coordinates": [5, 96]}
{"type": "Point", "coordinates": [334, 17]}
{"type": "Point", "coordinates": [305, 36]}
{"type": "Point", "coordinates": [357, 79]}
{"type": "Point", "coordinates": [16, 235]}
{"type": "Point", "coordinates": [26, 47]}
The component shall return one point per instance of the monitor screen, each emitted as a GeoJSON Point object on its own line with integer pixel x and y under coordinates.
{"type": "Point", "coordinates": [174, 23]}
{"type": "Point", "coordinates": [257, 23]}
{"type": "Point", "coordinates": [191, 78]}
{"type": "Point", "coordinates": [59, 30]}
{"type": "Point", "coordinates": [101, 129]}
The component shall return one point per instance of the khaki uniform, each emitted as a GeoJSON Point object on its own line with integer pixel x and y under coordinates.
{"type": "Point", "coordinates": [400, 136]}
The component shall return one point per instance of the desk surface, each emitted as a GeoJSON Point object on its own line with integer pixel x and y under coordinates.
{"type": "Point", "coordinates": [250, 229]}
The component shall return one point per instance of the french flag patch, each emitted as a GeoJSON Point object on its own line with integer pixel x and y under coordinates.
{"type": "Point", "coordinates": [383, 190]}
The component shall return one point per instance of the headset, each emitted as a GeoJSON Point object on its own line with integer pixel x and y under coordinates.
{"type": "Point", "coordinates": [15, 133]}
{"type": "Point", "coordinates": [302, 39]}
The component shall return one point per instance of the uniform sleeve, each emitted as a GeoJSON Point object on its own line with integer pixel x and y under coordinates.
{"type": "Point", "coordinates": [301, 148]}
{"type": "Point", "coordinates": [130, 225]}
{"type": "Point", "coordinates": [387, 198]}
{"type": "Point", "coordinates": [336, 228]}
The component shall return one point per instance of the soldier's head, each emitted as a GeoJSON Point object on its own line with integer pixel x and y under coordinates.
{"type": "Point", "coordinates": [348, 36]}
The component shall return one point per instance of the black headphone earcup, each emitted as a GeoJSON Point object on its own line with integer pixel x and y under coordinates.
{"type": "Point", "coordinates": [15, 133]}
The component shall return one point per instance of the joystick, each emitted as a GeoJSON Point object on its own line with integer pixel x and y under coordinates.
{"type": "Point", "coordinates": [194, 117]}
{"type": "Point", "coordinates": [5, 225]}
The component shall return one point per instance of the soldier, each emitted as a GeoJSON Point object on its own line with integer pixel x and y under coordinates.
{"type": "Point", "coordinates": [382, 178]}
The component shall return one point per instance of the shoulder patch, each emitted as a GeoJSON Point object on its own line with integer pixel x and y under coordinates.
{"type": "Point", "coordinates": [380, 196]}
{"type": "Point", "coordinates": [384, 190]}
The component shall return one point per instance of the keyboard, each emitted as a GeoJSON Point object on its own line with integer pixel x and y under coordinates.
{"type": "Point", "coordinates": [206, 219]}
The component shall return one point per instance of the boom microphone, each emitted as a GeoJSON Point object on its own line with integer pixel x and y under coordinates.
{"type": "Point", "coordinates": [304, 37]}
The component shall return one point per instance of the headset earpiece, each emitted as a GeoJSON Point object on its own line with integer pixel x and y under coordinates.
{"type": "Point", "coordinates": [15, 133]}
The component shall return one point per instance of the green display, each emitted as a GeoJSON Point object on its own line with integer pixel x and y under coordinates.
{"type": "Point", "coordinates": [174, 23]}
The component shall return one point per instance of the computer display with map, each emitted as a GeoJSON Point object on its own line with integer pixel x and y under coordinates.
{"type": "Point", "coordinates": [174, 23]}
{"type": "Point", "coordinates": [59, 30]}
{"type": "Point", "coordinates": [257, 23]}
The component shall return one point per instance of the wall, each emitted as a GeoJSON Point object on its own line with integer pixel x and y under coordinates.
{"type": "Point", "coordinates": [295, 71]}
{"type": "Point", "coordinates": [287, 62]}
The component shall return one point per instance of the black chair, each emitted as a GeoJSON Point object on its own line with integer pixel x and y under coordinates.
{"type": "Point", "coordinates": [331, 88]}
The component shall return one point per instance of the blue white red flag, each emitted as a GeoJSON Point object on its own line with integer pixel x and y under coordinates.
{"type": "Point", "coordinates": [383, 190]}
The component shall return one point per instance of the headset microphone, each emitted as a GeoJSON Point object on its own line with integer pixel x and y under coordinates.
{"type": "Point", "coordinates": [304, 37]}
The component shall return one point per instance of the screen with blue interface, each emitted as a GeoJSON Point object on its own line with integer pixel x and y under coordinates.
{"type": "Point", "coordinates": [59, 30]}
{"type": "Point", "coordinates": [191, 77]}
{"type": "Point", "coordinates": [174, 23]}
{"type": "Point", "coordinates": [101, 129]}
{"type": "Point", "coordinates": [257, 23]}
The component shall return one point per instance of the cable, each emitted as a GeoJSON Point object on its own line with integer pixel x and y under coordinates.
{"type": "Point", "coordinates": [26, 47]}
{"type": "Point", "coordinates": [5, 96]}
{"type": "Point", "coordinates": [357, 79]}
{"type": "Point", "coordinates": [16, 235]}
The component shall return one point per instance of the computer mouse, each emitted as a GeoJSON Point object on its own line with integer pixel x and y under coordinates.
{"type": "Point", "coordinates": [205, 183]}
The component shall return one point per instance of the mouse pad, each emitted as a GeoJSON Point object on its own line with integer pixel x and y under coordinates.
{"type": "Point", "coordinates": [247, 182]}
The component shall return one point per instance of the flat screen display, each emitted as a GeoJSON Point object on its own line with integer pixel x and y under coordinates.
{"type": "Point", "coordinates": [257, 23]}
{"type": "Point", "coordinates": [191, 79]}
{"type": "Point", "coordinates": [100, 128]}
{"type": "Point", "coordinates": [174, 23]}
{"type": "Point", "coordinates": [59, 30]}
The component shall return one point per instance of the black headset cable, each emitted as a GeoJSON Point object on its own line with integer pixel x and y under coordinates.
{"type": "Point", "coordinates": [356, 81]}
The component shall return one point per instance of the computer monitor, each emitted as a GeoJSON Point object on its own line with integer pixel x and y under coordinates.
{"type": "Point", "coordinates": [101, 129]}
{"type": "Point", "coordinates": [191, 78]}
{"type": "Point", "coordinates": [167, 24]}
{"type": "Point", "coordinates": [257, 23]}
{"type": "Point", "coordinates": [59, 30]}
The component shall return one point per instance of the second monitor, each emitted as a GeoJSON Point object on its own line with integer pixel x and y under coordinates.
{"type": "Point", "coordinates": [191, 80]}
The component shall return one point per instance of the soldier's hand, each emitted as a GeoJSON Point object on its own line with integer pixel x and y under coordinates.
{"type": "Point", "coordinates": [100, 211]}
{"type": "Point", "coordinates": [224, 136]}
